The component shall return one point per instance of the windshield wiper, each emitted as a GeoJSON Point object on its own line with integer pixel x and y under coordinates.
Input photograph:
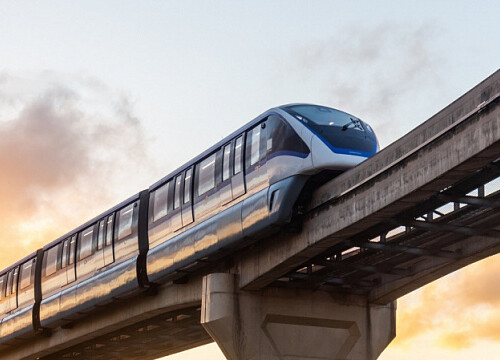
{"type": "Point", "coordinates": [355, 122]}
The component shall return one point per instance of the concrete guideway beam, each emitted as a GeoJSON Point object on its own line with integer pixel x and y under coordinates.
{"type": "Point", "coordinates": [119, 316]}
{"type": "Point", "coordinates": [470, 146]}
{"type": "Point", "coordinates": [286, 324]}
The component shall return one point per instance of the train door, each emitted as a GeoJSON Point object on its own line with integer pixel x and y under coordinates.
{"type": "Point", "coordinates": [176, 220]}
{"type": "Point", "coordinates": [68, 259]}
{"type": "Point", "coordinates": [99, 261]}
{"type": "Point", "coordinates": [225, 187]}
{"type": "Point", "coordinates": [108, 251]}
{"type": "Point", "coordinates": [182, 214]}
{"type": "Point", "coordinates": [238, 179]}
{"type": "Point", "coordinates": [11, 289]}
{"type": "Point", "coordinates": [3, 300]}
{"type": "Point", "coordinates": [105, 242]}
{"type": "Point", "coordinates": [187, 203]}
{"type": "Point", "coordinates": [255, 157]}
{"type": "Point", "coordinates": [25, 292]}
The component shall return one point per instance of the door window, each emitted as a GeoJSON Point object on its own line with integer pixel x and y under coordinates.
{"type": "Point", "coordinates": [238, 155]}
{"type": "Point", "coordinates": [187, 185]}
{"type": "Point", "coordinates": [226, 162]}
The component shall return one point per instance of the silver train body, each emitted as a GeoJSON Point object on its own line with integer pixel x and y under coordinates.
{"type": "Point", "coordinates": [239, 190]}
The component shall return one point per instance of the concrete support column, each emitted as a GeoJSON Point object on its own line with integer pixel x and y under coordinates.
{"type": "Point", "coordinates": [288, 324]}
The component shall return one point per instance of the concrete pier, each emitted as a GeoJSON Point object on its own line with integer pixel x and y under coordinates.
{"type": "Point", "coordinates": [286, 324]}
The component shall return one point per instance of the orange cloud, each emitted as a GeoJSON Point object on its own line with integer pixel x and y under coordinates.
{"type": "Point", "coordinates": [459, 310]}
{"type": "Point", "coordinates": [66, 146]}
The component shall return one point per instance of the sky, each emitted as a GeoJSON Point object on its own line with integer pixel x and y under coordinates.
{"type": "Point", "coordinates": [99, 100]}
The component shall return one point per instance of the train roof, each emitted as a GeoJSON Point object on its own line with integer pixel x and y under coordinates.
{"type": "Point", "coordinates": [275, 110]}
{"type": "Point", "coordinates": [74, 231]}
{"type": "Point", "coordinates": [17, 263]}
{"type": "Point", "coordinates": [93, 220]}
{"type": "Point", "coordinates": [219, 144]}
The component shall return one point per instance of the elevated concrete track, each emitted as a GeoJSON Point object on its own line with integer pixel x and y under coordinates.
{"type": "Point", "coordinates": [420, 209]}
{"type": "Point", "coordinates": [442, 160]}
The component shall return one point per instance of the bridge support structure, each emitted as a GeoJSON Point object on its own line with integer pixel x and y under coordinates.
{"type": "Point", "coordinates": [286, 324]}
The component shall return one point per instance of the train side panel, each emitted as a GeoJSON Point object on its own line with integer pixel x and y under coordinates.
{"type": "Point", "coordinates": [224, 215]}
{"type": "Point", "coordinates": [100, 267]}
{"type": "Point", "coordinates": [17, 301]}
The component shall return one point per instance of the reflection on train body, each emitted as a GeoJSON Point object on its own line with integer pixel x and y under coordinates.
{"type": "Point", "coordinates": [240, 189]}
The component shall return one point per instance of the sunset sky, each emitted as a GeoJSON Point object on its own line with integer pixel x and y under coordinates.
{"type": "Point", "coordinates": [99, 99]}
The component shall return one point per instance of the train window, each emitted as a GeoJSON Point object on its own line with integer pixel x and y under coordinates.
{"type": "Point", "coordinates": [109, 230]}
{"type": "Point", "coordinates": [187, 185]}
{"type": "Point", "coordinates": [238, 150]}
{"type": "Point", "coordinates": [206, 175]}
{"type": "Point", "coordinates": [225, 162]}
{"type": "Point", "coordinates": [51, 260]}
{"type": "Point", "coordinates": [86, 237]}
{"type": "Point", "coordinates": [100, 235]}
{"type": "Point", "coordinates": [283, 139]}
{"type": "Point", "coordinates": [14, 280]}
{"type": "Point", "coordinates": [72, 250]}
{"type": "Point", "coordinates": [26, 273]}
{"type": "Point", "coordinates": [254, 142]}
{"type": "Point", "coordinates": [160, 208]}
{"type": "Point", "coordinates": [125, 217]}
{"type": "Point", "coordinates": [8, 285]}
{"type": "Point", "coordinates": [177, 191]}
{"type": "Point", "coordinates": [65, 253]}
{"type": "Point", "coordinates": [2, 283]}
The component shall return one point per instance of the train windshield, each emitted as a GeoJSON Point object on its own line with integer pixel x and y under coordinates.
{"type": "Point", "coordinates": [341, 131]}
{"type": "Point", "coordinates": [321, 115]}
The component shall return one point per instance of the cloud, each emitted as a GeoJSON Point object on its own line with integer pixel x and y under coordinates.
{"type": "Point", "coordinates": [459, 310]}
{"type": "Point", "coordinates": [378, 72]}
{"type": "Point", "coordinates": [68, 144]}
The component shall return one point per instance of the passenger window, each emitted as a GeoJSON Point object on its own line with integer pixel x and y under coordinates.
{"type": "Point", "coordinates": [160, 202]}
{"type": "Point", "coordinates": [86, 242]}
{"type": "Point", "coordinates": [177, 192]}
{"type": "Point", "coordinates": [51, 260]}
{"type": "Point", "coordinates": [187, 186]}
{"type": "Point", "coordinates": [109, 231]}
{"type": "Point", "coordinates": [225, 162]}
{"type": "Point", "coordinates": [26, 273]}
{"type": "Point", "coordinates": [206, 175]}
{"type": "Point", "coordinates": [100, 235]}
{"type": "Point", "coordinates": [238, 150]}
{"type": "Point", "coordinates": [254, 141]}
{"type": "Point", "coordinates": [125, 217]}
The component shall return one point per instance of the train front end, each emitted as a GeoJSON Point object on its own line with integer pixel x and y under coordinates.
{"type": "Point", "coordinates": [350, 139]}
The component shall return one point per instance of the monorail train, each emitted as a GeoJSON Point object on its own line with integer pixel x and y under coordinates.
{"type": "Point", "coordinates": [242, 187]}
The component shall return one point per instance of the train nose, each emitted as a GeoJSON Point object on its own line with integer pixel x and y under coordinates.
{"type": "Point", "coordinates": [324, 157]}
